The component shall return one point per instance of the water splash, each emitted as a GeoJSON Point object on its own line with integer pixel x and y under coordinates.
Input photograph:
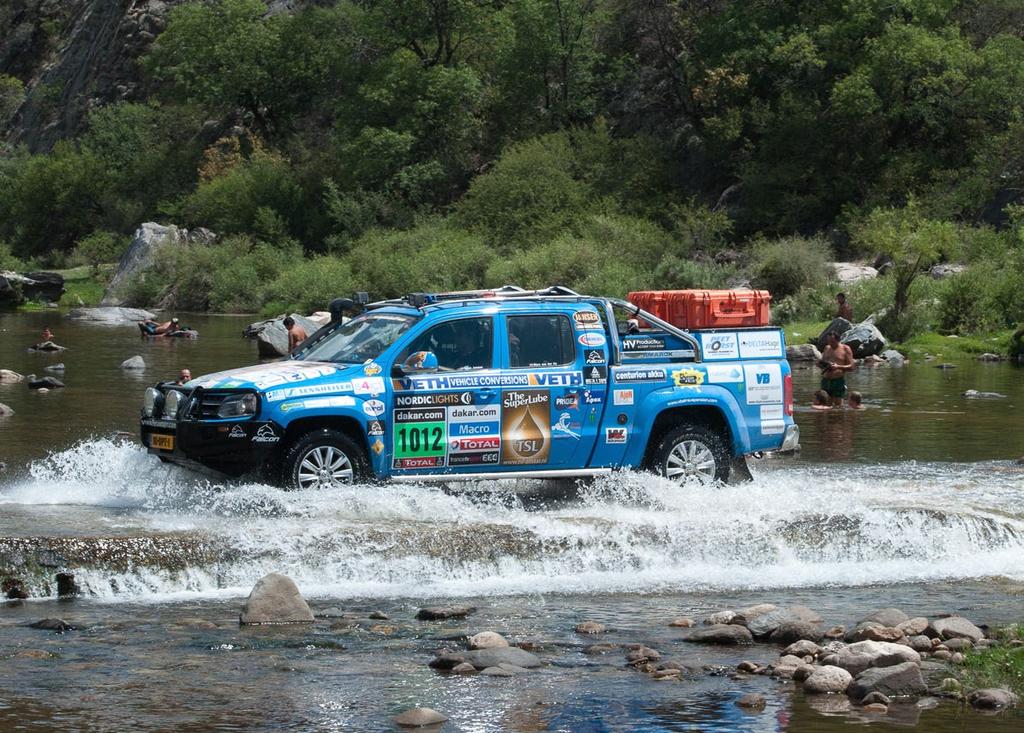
{"type": "Point", "coordinates": [792, 526]}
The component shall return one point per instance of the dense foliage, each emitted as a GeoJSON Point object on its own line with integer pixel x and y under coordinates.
{"type": "Point", "coordinates": [605, 144]}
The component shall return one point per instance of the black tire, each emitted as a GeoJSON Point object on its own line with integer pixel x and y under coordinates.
{"type": "Point", "coordinates": [323, 458]}
{"type": "Point", "coordinates": [684, 454]}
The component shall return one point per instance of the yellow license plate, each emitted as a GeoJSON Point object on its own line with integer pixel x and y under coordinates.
{"type": "Point", "coordinates": [163, 442]}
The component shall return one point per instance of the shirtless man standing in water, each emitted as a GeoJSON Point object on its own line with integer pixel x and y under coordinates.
{"type": "Point", "coordinates": [836, 361]}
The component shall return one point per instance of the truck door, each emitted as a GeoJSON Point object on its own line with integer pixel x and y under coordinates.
{"type": "Point", "coordinates": [551, 399]}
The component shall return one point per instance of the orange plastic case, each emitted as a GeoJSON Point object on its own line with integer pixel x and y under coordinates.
{"type": "Point", "coordinates": [696, 309]}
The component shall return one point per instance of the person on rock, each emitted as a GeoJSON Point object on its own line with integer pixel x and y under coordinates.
{"type": "Point", "coordinates": [836, 361]}
{"type": "Point", "coordinates": [296, 333]}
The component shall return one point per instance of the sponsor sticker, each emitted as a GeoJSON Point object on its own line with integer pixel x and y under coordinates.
{"type": "Point", "coordinates": [435, 383]}
{"type": "Point", "coordinates": [374, 427]}
{"type": "Point", "coordinates": [473, 459]}
{"type": "Point", "coordinates": [321, 402]}
{"type": "Point", "coordinates": [688, 377]}
{"type": "Point", "coordinates": [378, 446]}
{"type": "Point", "coordinates": [266, 434]}
{"type": "Point", "coordinates": [469, 445]}
{"type": "Point", "coordinates": [760, 344]}
{"type": "Point", "coordinates": [622, 397]}
{"type": "Point", "coordinates": [462, 429]}
{"type": "Point", "coordinates": [592, 339]}
{"type": "Point", "coordinates": [556, 379]}
{"type": "Point", "coordinates": [525, 426]}
{"type": "Point", "coordinates": [419, 462]}
{"type": "Point", "coordinates": [593, 356]}
{"type": "Point", "coordinates": [567, 402]}
{"type": "Point", "coordinates": [373, 408]}
{"type": "Point", "coordinates": [719, 346]}
{"type": "Point", "coordinates": [564, 426]}
{"type": "Point", "coordinates": [763, 384]}
{"type": "Point", "coordinates": [154, 423]}
{"type": "Point", "coordinates": [421, 434]}
{"type": "Point", "coordinates": [314, 389]}
{"type": "Point", "coordinates": [640, 375]}
{"type": "Point", "coordinates": [441, 398]}
{"type": "Point", "coordinates": [596, 375]}
{"type": "Point", "coordinates": [371, 368]}
{"type": "Point", "coordinates": [478, 413]}
{"type": "Point", "coordinates": [724, 373]}
{"type": "Point", "coordinates": [772, 420]}
{"type": "Point", "coordinates": [643, 343]}
{"type": "Point", "coordinates": [237, 432]}
{"type": "Point", "coordinates": [586, 319]}
{"type": "Point", "coordinates": [615, 435]}
{"type": "Point", "coordinates": [592, 398]}
{"type": "Point", "coordinates": [368, 385]}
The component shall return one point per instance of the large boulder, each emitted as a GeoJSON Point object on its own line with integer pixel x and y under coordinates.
{"type": "Point", "coordinates": [142, 253]}
{"type": "Point", "coordinates": [894, 358]}
{"type": "Point", "coordinates": [838, 325]}
{"type": "Point", "coordinates": [275, 599]}
{"type": "Point", "coordinates": [15, 288]}
{"type": "Point", "coordinates": [271, 335]}
{"type": "Point", "coordinates": [864, 339]}
{"type": "Point", "coordinates": [895, 681]}
{"type": "Point", "coordinates": [946, 269]}
{"type": "Point", "coordinates": [851, 272]}
{"type": "Point", "coordinates": [794, 630]}
{"type": "Point", "coordinates": [112, 316]}
{"type": "Point", "coordinates": [722, 634]}
{"type": "Point", "coordinates": [487, 640]}
{"type": "Point", "coordinates": [9, 377]}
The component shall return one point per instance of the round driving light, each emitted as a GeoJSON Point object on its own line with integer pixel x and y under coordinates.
{"type": "Point", "coordinates": [149, 400]}
{"type": "Point", "coordinates": [171, 403]}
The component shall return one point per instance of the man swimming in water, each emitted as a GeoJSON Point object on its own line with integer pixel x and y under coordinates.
{"type": "Point", "coordinates": [836, 361]}
{"type": "Point", "coordinates": [152, 328]}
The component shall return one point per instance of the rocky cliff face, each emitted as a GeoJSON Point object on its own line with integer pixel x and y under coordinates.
{"type": "Point", "coordinates": [73, 55]}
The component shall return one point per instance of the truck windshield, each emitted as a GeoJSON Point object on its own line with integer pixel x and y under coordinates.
{"type": "Point", "coordinates": [362, 338]}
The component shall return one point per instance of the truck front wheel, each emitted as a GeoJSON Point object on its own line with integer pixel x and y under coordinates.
{"type": "Point", "coordinates": [692, 454]}
{"type": "Point", "coordinates": [323, 459]}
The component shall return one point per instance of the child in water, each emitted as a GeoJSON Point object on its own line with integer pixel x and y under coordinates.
{"type": "Point", "coordinates": [822, 401]}
{"type": "Point", "coordinates": [855, 401]}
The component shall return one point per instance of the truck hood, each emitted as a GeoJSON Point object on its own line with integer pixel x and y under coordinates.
{"type": "Point", "coordinates": [282, 377]}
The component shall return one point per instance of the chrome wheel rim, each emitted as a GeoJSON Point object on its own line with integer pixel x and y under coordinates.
{"type": "Point", "coordinates": [690, 460]}
{"type": "Point", "coordinates": [324, 467]}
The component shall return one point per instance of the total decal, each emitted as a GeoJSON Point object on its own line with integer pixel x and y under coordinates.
{"type": "Point", "coordinates": [719, 346]}
{"type": "Point", "coordinates": [593, 340]}
{"type": "Point", "coordinates": [760, 344]}
{"type": "Point", "coordinates": [688, 377]}
{"type": "Point", "coordinates": [587, 320]}
{"type": "Point", "coordinates": [763, 384]}
{"type": "Point", "coordinates": [266, 434]}
{"type": "Point", "coordinates": [525, 426]}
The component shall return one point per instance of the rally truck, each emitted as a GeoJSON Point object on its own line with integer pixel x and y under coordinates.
{"type": "Point", "coordinates": [507, 383]}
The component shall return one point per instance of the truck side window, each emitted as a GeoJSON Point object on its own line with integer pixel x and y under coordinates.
{"type": "Point", "coordinates": [540, 341]}
{"type": "Point", "coordinates": [463, 344]}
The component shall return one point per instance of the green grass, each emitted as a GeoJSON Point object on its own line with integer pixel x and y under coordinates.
{"type": "Point", "coordinates": [81, 287]}
{"type": "Point", "coordinates": [1001, 666]}
{"type": "Point", "coordinates": [963, 347]}
{"type": "Point", "coordinates": [799, 332]}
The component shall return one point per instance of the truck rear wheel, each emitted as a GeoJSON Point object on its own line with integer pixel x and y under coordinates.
{"type": "Point", "coordinates": [692, 454]}
{"type": "Point", "coordinates": [323, 459]}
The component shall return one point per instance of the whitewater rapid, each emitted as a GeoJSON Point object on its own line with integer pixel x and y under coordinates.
{"type": "Point", "coordinates": [794, 526]}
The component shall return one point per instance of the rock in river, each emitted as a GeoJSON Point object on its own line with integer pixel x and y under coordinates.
{"type": "Point", "coordinates": [111, 316]}
{"type": "Point", "coordinates": [955, 627]}
{"type": "Point", "coordinates": [275, 599]}
{"type": "Point", "coordinates": [487, 640]}
{"type": "Point", "coordinates": [53, 624]}
{"type": "Point", "coordinates": [763, 625]}
{"type": "Point", "coordinates": [135, 362]}
{"type": "Point", "coordinates": [436, 613]}
{"type": "Point", "coordinates": [9, 377]}
{"type": "Point", "coordinates": [44, 383]}
{"type": "Point", "coordinates": [866, 654]}
{"type": "Point", "coordinates": [419, 718]}
{"type": "Point", "coordinates": [992, 699]}
{"type": "Point", "coordinates": [722, 634]}
{"type": "Point", "coordinates": [828, 679]}
{"type": "Point", "coordinates": [900, 679]}
{"type": "Point", "coordinates": [753, 701]}
{"type": "Point", "coordinates": [5, 411]}
{"type": "Point", "coordinates": [590, 627]}
{"type": "Point", "coordinates": [497, 656]}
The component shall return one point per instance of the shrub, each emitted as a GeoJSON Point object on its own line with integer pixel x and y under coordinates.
{"type": "Point", "coordinates": [784, 266]}
{"type": "Point", "coordinates": [309, 285]}
{"type": "Point", "coordinates": [433, 256]}
{"type": "Point", "coordinates": [99, 248]}
{"type": "Point", "coordinates": [7, 260]}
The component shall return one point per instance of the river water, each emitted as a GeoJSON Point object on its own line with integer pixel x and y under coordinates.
{"type": "Point", "coordinates": [913, 502]}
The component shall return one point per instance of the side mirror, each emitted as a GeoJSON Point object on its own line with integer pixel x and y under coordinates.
{"type": "Point", "coordinates": [419, 362]}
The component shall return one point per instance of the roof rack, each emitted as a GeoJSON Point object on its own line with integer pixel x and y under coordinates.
{"type": "Point", "coordinates": [419, 300]}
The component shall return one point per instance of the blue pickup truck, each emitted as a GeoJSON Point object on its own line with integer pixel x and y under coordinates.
{"type": "Point", "coordinates": [506, 383]}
